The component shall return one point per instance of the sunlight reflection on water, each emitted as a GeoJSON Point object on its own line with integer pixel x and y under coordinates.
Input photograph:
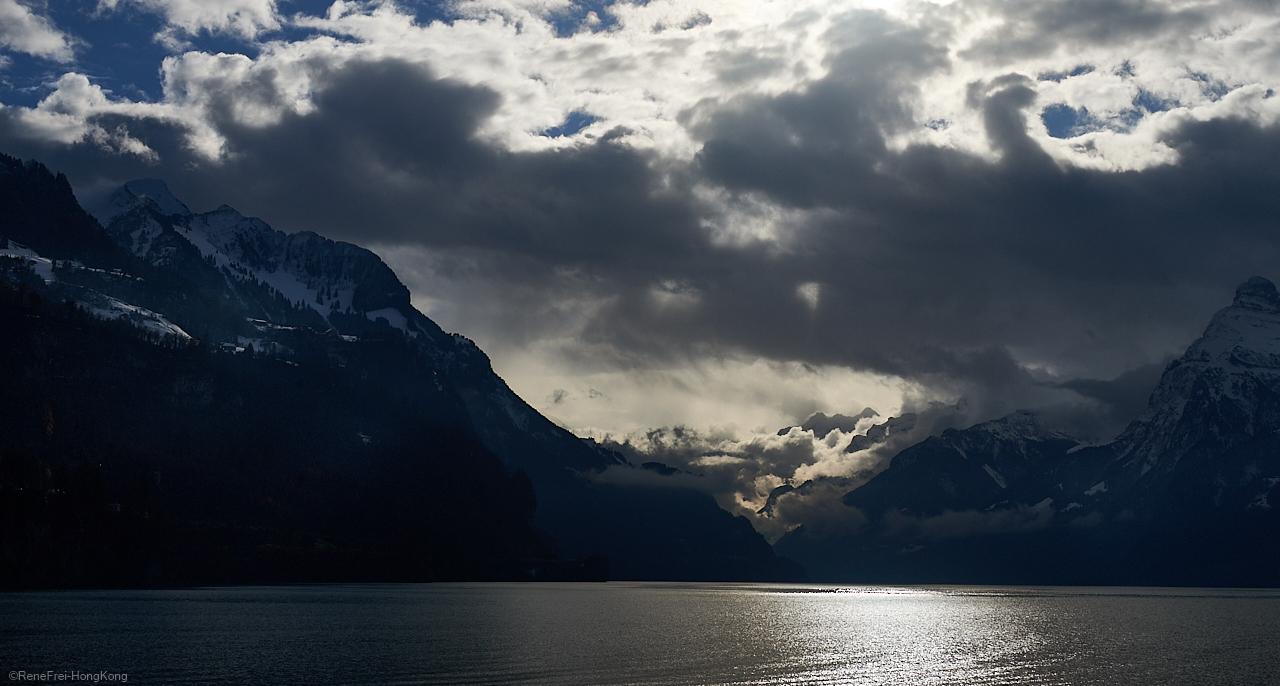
{"type": "Point", "coordinates": [649, 634]}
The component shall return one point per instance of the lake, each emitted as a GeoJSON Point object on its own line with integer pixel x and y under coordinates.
{"type": "Point", "coordinates": [644, 633]}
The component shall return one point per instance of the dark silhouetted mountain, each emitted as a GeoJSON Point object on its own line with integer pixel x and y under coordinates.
{"type": "Point", "coordinates": [39, 210]}
{"type": "Point", "coordinates": [131, 459]}
{"type": "Point", "coordinates": [291, 370]}
{"type": "Point", "coordinates": [1182, 496]}
{"type": "Point", "coordinates": [880, 433]}
{"type": "Point", "coordinates": [965, 470]}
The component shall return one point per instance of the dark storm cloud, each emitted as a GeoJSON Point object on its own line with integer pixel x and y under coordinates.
{"type": "Point", "coordinates": [937, 263]}
{"type": "Point", "coordinates": [809, 146]}
{"type": "Point", "coordinates": [94, 169]}
{"type": "Point", "coordinates": [935, 252]}
{"type": "Point", "coordinates": [1124, 397]}
{"type": "Point", "coordinates": [389, 155]}
{"type": "Point", "coordinates": [1032, 28]}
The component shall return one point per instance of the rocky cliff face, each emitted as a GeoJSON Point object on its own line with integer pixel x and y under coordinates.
{"type": "Point", "coordinates": [1221, 396]}
{"type": "Point", "coordinates": [300, 279]}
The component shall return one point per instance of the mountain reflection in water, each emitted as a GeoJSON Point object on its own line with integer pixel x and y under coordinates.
{"type": "Point", "coordinates": [649, 633]}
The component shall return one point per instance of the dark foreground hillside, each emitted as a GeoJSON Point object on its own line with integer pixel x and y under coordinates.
{"type": "Point", "coordinates": [130, 460]}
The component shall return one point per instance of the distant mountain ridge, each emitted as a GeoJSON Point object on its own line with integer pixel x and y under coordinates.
{"type": "Point", "coordinates": [1185, 495]}
{"type": "Point", "coordinates": [986, 464]}
{"type": "Point", "coordinates": [821, 425]}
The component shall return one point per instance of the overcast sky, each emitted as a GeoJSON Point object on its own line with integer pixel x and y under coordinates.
{"type": "Point", "coordinates": [723, 215]}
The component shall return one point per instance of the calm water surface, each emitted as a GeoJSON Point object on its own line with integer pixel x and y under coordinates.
{"type": "Point", "coordinates": [647, 633]}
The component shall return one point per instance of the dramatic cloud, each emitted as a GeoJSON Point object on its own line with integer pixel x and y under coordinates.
{"type": "Point", "coordinates": [246, 18]}
{"type": "Point", "coordinates": [23, 30]}
{"type": "Point", "coordinates": [726, 216]}
{"type": "Point", "coordinates": [780, 479]}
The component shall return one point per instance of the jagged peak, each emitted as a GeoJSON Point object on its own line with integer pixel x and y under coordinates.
{"type": "Point", "coordinates": [881, 433]}
{"type": "Point", "coordinates": [1249, 327]}
{"type": "Point", "coordinates": [1017, 425]}
{"type": "Point", "coordinates": [821, 424]}
{"type": "Point", "coordinates": [139, 192]}
{"type": "Point", "coordinates": [1257, 294]}
{"type": "Point", "coordinates": [1018, 418]}
{"type": "Point", "coordinates": [158, 192]}
{"type": "Point", "coordinates": [1238, 353]}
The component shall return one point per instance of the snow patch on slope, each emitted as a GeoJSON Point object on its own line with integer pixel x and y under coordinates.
{"type": "Point", "coordinates": [223, 235]}
{"type": "Point", "coordinates": [995, 476]}
{"type": "Point", "coordinates": [42, 266]}
{"type": "Point", "coordinates": [109, 308]}
{"type": "Point", "coordinates": [393, 317]}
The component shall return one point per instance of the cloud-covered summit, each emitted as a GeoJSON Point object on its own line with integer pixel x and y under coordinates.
{"type": "Point", "coordinates": [722, 215]}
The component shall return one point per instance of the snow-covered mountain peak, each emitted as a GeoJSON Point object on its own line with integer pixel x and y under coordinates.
{"type": "Point", "coordinates": [1018, 426]}
{"type": "Point", "coordinates": [1246, 334]}
{"type": "Point", "coordinates": [158, 192]}
{"type": "Point", "coordinates": [1220, 393]}
{"type": "Point", "coordinates": [298, 279]}
{"type": "Point", "coordinates": [136, 192]}
{"type": "Point", "coordinates": [1257, 294]}
{"type": "Point", "coordinates": [1012, 434]}
{"type": "Point", "coordinates": [226, 235]}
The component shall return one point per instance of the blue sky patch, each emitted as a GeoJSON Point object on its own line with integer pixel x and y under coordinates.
{"type": "Point", "coordinates": [575, 122]}
{"type": "Point", "coordinates": [1064, 121]}
{"type": "Point", "coordinates": [117, 49]}
{"type": "Point", "coordinates": [1212, 88]}
{"type": "Point", "coordinates": [569, 22]}
{"type": "Point", "coordinates": [1151, 102]}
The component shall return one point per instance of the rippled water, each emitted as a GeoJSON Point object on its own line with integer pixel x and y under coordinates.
{"type": "Point", "coordinates": [647, 633]}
